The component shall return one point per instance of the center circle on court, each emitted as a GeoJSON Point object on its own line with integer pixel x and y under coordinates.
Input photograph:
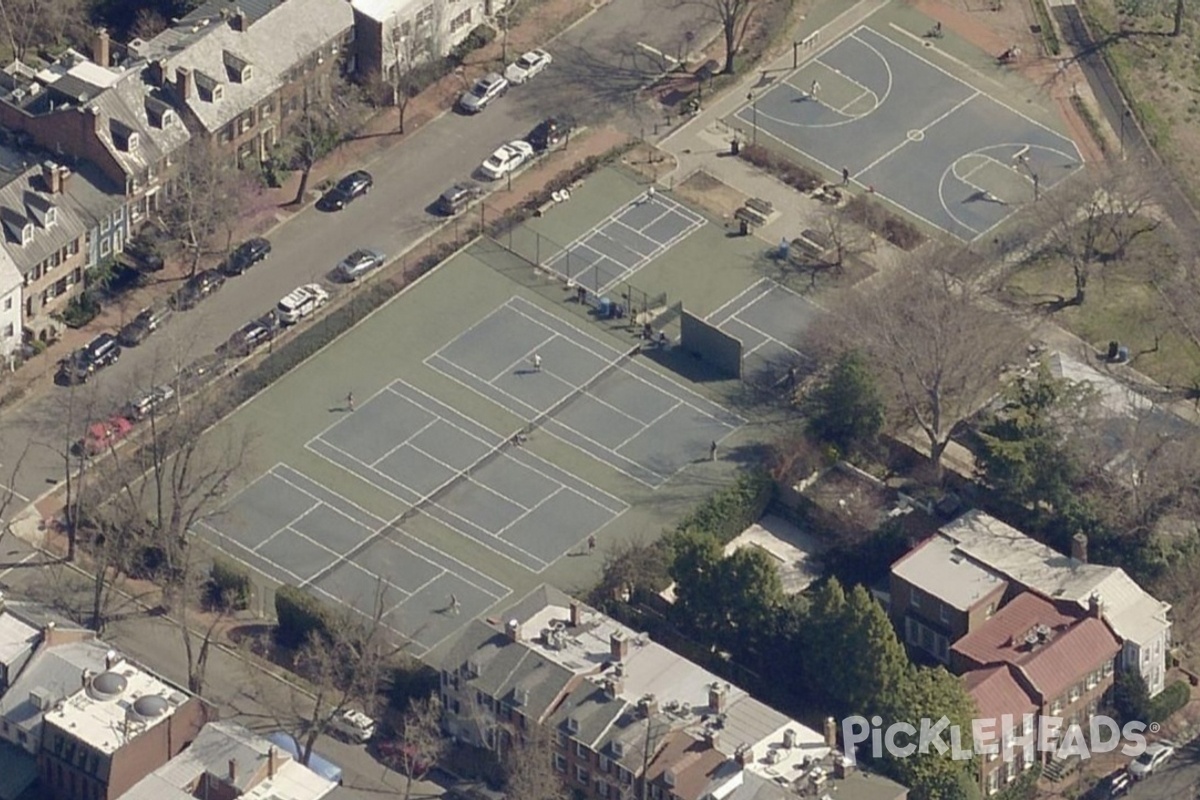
{"type": "Point", "coordinates": [915, 135]}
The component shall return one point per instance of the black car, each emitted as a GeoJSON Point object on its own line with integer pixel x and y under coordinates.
{"type": "Point", "coordinates": [246, 255]}
{"type": "Point", "coordinates": [198, 287]}
{"type": "Point", "coordinates": [73, 370]}
{"type": "Point", "coordinates": [250, 337]}
{"type": "Point", "coordinates": [134, 333]}
{"type": "Point", "coordinates": [349, 188]}
{"type": "Point", "coordinates": [457, 197]}
{"type": "Point", "coordinates": [548, 133]}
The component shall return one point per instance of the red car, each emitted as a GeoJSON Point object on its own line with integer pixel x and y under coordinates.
{"type": "Point", "coordinates": [103, 435]}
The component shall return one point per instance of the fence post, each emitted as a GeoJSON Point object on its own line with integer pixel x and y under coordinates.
{"type": "Point", "coordinates": [537, 248]}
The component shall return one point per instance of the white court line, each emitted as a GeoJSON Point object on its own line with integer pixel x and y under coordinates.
{"type": "Point", "coordinates": [842, 110]}
{"type": "Point", "coordinates": [389, 453]}
{"type": "Point", "coordinates": [500, 533]}
{"type": "Point", "coordinates": [906, 141]}
{"type": "Point", "coordinates": [341, 419]}
{"type": "Point", "coordinates": [766, 336]}
{"type": "Point", "coordinates": [288, 527]}
{"type": "Point", "coordinates": [470, 478]}
{"type": "Point", "coordinates": [443, 554]}
{"type": "Point", "coordinates": [369, 468]}
{"type": "Point", "coordinates": [678, 390]}
{"type": "Point", "coordinates": [622, 368]}
{"type": "Point", "coordinates": [597, 399]}
{"type": "Point", "coordinates": [527, 359]}
{"type": "Point", "coordinates": [752, 287]}
{"type": "Point", "coordinates": [528, 454]}
{"type": "Point", "coordinates": [5, 489]}
{"type": "Point", "coordinates": [646, 426]}
{"type": "Point", "coordinates": [486, 532]}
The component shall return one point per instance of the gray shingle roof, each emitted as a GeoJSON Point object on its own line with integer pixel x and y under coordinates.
{"type": "Point", "coordinates": [281, 39]}
{"type": "Point", "coordinates": [127, 106]}
{"type": "Point", "coordinates": [86, 198]}
{"type": "Point", "coordinates": [56, 671]}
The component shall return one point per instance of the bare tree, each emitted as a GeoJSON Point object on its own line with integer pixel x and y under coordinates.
{"type": "Point", "coordinates": [324, 122]}
{"type": "Point", "coordinates": [422, 743]}
{"type": "Point", "coordinates": [201, 199]}
{"type": "Point", "coordinates": [28, 24]}
{"type": "Point", "coordinates": [406, 62]}
{"type": "Point", "coordinates": [1177, 27]}
{"type": "Point", "coordinates": [1091, 223]}
{"type": "Point", "coordinates": [529, 766]}
{"type": "Point", "coordinates": [148, 23]}
{"type": "Point", "coordinates": [936, 349]}
{"type": "Point", "coordinates": [734, 17]}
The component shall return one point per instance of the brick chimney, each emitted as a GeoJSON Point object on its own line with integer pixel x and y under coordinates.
{"type": "Point", "coordinates": [648, 706]}
{"type": "Point", "coordinates": [712, 737]}
{"type": "Point", "coordinates": [716, 697]}
{"type": "Point", "coordinates": [841, 768]}
{"type": "Point", "coordinates": [237, 20]}
{"type": "Point", "coordinates": [48, 634]}
{"type": "Point", "coordinates": [744, 755]}
{"type": "Point", "coordinates": [1079, 547]}
{"type": "Point", "coordinates": [831, 732]}
{"type": "Point", "coordinates": [271, 762]}
{"type": "Point", "coordinates": [618, 646]}
{"type": "Point", "coordinates": [101, 50]}
{"type": "Point", "coordinates": [513, 629]}
{"type": "Point", "coordinates": [576, 615]}
{"type": "Point", "coordinates": [233, 770]}
{"type": "Point", "coordinates": [52, 177]}
{"type": "Point", "coordinates": [183, 83]}
{"type": "Point", "coordinates": [1096, 606]}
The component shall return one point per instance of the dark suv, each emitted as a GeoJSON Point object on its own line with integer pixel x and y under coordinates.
{"type": "Point", "coordinates": [103, 351]}
{"type": "Point", "coordinates": [548, 133]}
{"type": "Point", "coordinates": [349, 188]}
{"type": "Point", "coordinates": [246, 255]}
{"type": "Point", "coordinates": [457, 198]}
{"type": "Point", "coordinates": [198, 287]}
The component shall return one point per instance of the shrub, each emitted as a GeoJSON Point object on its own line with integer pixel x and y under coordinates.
{"type": "Point", "coordinates": [874, 217]}
{"type": "Point", "coordinates": [80, 310]}
{"type": "Point", "coordinates": [229, 585]}
{"type": "Point", "coordinates": [1172, 698]}
{"type": "Point", "coordinates": [730, 511]}
{"type": "Point", "coordinates": [300, 616]}
{"type": "Point", "coordinates": [481, 36]}
{"type": "Point", "coordinates": [794, 175]}
{"type": "Point", "coordinates": [1129, 697]}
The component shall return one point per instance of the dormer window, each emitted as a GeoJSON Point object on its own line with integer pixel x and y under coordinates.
{"type": "Point", "coordinates": [27, 234]}
{"type": "Point", "coordinates": [247, 73]}
{"type": "Point", "coordinates": [218, 92]}
{"type": "Point", "coordinates": [133, 141]}
{"type": "Point", "coordinates": [51, 216]}
{"type": "Point", "coordinates": [168, 118]}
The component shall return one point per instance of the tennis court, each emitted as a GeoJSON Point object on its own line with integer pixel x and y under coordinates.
{"type": "Point", "coordinates": [770, 320]}
{"type": "Point", "coordinates": [576, 388]}
{"type": "Point", "coordinates": [299, 532]}
{"type": "Point", "coordinates": [623, 243]}
{"type": "Point", "coordinates": [482, 484]}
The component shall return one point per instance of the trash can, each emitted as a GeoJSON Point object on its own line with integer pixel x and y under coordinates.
{"type": "Point", "coordinates": [743, 227]}
{"type": "Point", "coordinates": [604, 308]}
{"type": "Point", "coordinates": [735, 147]}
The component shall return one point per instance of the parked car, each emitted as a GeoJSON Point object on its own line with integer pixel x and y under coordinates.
{"type": "Point", "coordinates": [348, 189]}
{"type": "Point", "coordinates": [1152, 759]}
{"type": "Point", "coordinates": [246, 255]}
{"type": "Point", "coordinates": [148, 402]}
{"type": "Point", "coordinates": [102, 435]}
{"type": "Point", "coordinates": [73, 369]}
{"type": "Point", "coordinates": [359, 263]}
{"type": "Point", "coordinates": [527, 66]}
{"type": "Point", "coordinates": [147, 321]}
{"type": "Point", "coordinates": [199, 286]}
{"type": "Point", "coordinates": [457, 198]}
{"type": "Point", "coordinates": [485, 90]}
{"type": "Point", "coordinates": [549, 132]}
{"type": "Point", "coordinates": [507, 159]}
{"type": "Point", "coordinates": [145, 250]}
{"type": "Point", "coordinates": [247, 339]}
{"type": "Point", "coordinates": [1115, 784]}
{"type": "Point", "coordinates": [300, 302]}
{"type": "Point", "coordinates": [353, 725]}
{"type": "Point", "coordinates": [103, 351]}
{"type": "Point", "coordinates": [200, 372]}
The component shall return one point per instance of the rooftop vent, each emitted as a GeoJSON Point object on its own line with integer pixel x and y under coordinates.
{"type": "Point", "coordinates": [150, 706]}
{"type": "Point", "coordinates": [107, 685]}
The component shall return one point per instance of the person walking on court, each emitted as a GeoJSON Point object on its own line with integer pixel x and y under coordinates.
{"type": "Point", "coordinates": [350, 401]}
{"type": "Point", "coordinates": [712, 451]}
{"type": "Point", "coordinates": [815, 89]}
{"type": "Point", "coordinates": [650, 194]}
{"type": "Point", "coordinates": [537, 363]}
{"type": "Point", "coordinates": [845, 176]}
{"type": "Point", "coordinates": [454, 605]}
{"type": "Point", "coordinates": [591, 543]}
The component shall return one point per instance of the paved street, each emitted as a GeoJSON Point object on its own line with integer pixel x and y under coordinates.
{"type": "Point", "coordinates": [1178, 780]}
{"type": "Point", "coordinates": [598, 66]}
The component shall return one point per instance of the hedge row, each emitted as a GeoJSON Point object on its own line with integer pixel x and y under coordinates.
{"type": "Point", "coordinates": [229, 585]}
{"type": "Point", "coordinates": [1170, 700]}
{"type": "Point", "coordinates": [300, 615]}
{"type": "Point", "coordinates": [730, 511]}
{"type": "Point", "coordinates": [794, 175]}
{"type": "Point", "coordinates": [874, 217]}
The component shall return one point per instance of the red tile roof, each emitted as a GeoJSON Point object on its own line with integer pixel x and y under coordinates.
{"type": "Point", "coordinates": [997, 692]}
{"type": "Point", "coordinates": [1071, 648]}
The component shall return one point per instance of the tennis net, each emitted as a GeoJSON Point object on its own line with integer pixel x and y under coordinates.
{"type": "Point", "coordinates": [463, 475]}
{"type": "Point", "coordinates": [573, 395]}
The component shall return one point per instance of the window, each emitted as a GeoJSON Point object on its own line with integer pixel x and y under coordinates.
{"type": "Point", "coordinates": [601, 788]}
{"type": "Point", "coordinates": [1074, 693]}
{"type": "Point", "coordinates": [605, 764]}
{"type": "Point", "coordinates": [27, 233]}
{"type": "Point", "coordinates": [460, 21]}
{"type": "Point", "coordinates": [218, 92]}
{"type": "Point", "coordinates": [581, 774]}
{"type": "Point", "coordinates": [993, 782]}
{"type": "Point", "coordinates": [991, 609]}
{"type": "Point", "coordinates": [105, 247]}
{"type": "Point", "coordinates": [8, 331]}
{"type": "Point", "coordinates": [266, 108]}
{"type": "Point", "coordinates": [914, 597]}
{"type": "Point", "coordinates": [51, 216]}
{"type": "Point", "coordinates": [944, 612]}
{"type": "Point", "coordinates": [561, 739]}
{"type": "Point", "coordinates": [7, 307]}
{"type": "Point", "coordinates": [1056, 708]}
{"type": "Point", "coordinates": [560, 763]}
{"type": "Point", "coordinates": [1108, 668]}
{"type": "Point", "coordinates": [425, 15]}
{"type": "Point", "coordinates": [133, 141]}
{"type": "Point", "coordinates": [247, 73]}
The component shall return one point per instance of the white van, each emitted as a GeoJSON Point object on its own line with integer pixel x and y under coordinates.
{"type": "Point", "coordinates": [301, 302]}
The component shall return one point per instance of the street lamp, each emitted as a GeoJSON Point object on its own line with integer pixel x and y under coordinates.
{"type": "Point", "coordinates": [1124, 116]}
{"type": "Point", "coordinates": [753, 117]}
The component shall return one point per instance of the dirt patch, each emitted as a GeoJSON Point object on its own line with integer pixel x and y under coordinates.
{"type": "Point", "coordinates": [714, 196]}
{"type": "Point", "coordinates": [649, 161]}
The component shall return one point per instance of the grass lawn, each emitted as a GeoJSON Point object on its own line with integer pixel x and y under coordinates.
{"type": "Point", "coordinates": [1126, 308]}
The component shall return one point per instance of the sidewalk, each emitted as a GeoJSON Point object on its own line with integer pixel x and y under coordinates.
{"type": "Point", "coordinates": [270, 208]}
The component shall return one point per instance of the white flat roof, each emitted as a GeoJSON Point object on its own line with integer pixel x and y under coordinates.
{"type": "Point", "coordinates": [938, 568]}
{"type": "Point", "coordinates": [381, 10]}
{"type": "Point", "coordinates": [15, 636]}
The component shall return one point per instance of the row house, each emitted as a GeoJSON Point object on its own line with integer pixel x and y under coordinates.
{"type": "Point", "coordinates": [953, 583]}
{"type": "Point", "coordinates": [237, 77]}
{"type": "Point", "coordinates": [11, 283]}
{"type": "Point", "coordinates": [628, 718]}
{"type": "Point", "coordinates": [56, 225]}
{"type": "Point", "coordinates": [1032, 658]}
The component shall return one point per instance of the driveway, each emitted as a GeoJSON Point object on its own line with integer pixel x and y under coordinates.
{"type": "Point", "coordinates": [599, 65]}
